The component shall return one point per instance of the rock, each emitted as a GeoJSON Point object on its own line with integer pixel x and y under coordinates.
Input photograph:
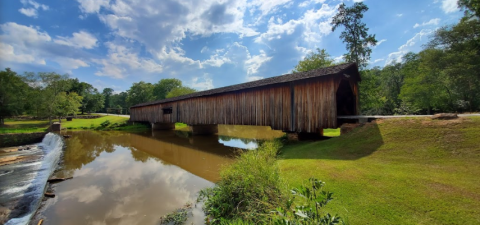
{"type": "Point", "coordinates": [49, 195]}
{"type": "Point", "coordinates": [66, 136]}
{"type": "Point", "coordinates": [40, 222]}
{"type": "Point", "coordinates": [4, 214]}
{"type": "Point", "coordinates": [347, 127]}
{"type": "Point", "coordinates": [444, 116]}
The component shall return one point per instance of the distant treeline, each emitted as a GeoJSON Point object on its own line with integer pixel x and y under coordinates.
{"type": "Point", "coordinates": [443, 77]}
{"type": "Point", "coordinates": [51, 95]}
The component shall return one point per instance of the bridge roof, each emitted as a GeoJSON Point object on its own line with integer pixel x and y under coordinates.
{"type": "Point", "coordinates": [332, 70]}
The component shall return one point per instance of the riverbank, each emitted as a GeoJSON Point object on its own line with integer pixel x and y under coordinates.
{"type": "Point", "coordinates": [396, 171]}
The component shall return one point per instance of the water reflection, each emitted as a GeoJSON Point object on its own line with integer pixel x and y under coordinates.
{"type": "Point", "coordinates": [126, 178]}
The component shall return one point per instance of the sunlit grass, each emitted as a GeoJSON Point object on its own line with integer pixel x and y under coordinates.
{"type": "Point", "coordinates": [331, 132]}
{"type": "Point", "coordinates": [396, 171]}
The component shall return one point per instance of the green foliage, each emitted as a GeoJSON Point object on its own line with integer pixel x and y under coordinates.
{"type": "Point", "coordinates": [471, 8]}
{"type": "Point", "coordinates": [165, 86]}
{"type": "Point", "coordinates": [355, 33]}
{"type": "Point", "coordinates": [13, 94]}
{"type": "Point", "coordinates": [177, 217]}
{"type": "Point", "coordinates": [314, 60]}
{"type": "Point", "coordinates": [105, 123]}
{"type": "Point", "coordinates": [248, 190]}
{"type": "Point", "coordinates": [309, 212]}
{"type": "Point", "coordinates": [67, 104]}
{"type": "Point", "coordinates": [180, 91]}
{"type": "Point", "coordinates": [140, 92]}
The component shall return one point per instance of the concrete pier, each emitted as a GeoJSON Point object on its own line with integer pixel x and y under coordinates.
{"type": "Point", "coordinates": [204, 129]}
{"type": "Point", "coordinates": [163, 126]}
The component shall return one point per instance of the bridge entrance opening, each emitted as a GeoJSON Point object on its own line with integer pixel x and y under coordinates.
{"type": "Point", "coordinates": [345, 99]}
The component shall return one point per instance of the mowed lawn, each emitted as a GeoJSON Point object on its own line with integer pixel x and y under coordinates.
{"type": "Point", "coordinates": [29, 126]}
{"type": "Point", "coordinates": [396, 171]}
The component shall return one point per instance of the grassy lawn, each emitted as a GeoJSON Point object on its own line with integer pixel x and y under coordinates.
{"type": "Point", "coordinates": [29, 126]}
{"type": "Point", "coordinates": [89, 123]}
{"type": "Point", "coordinates": [396, 171]}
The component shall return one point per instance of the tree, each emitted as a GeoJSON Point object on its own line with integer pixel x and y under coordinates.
{"type": "Point", "coordinates": [140, 92]}
{"type": "Point", "coordinates": [180, 91]}
{"type": "Point", "coordinates": [471, 7]}
{"type": "Point", "coordinates": [164, 86]}
{"type": "Point", "coordinates": [92, 99]}
{"type": "Point", "coordinates": [107, 94]}
{"type": "Point", "coordinates": [52, 85]}
{"type": "Point", "coordinates": [314, 60]}
{"type": "Point", "coordinates": [355, 34]}
{"type": "Point", "coordinates": [66, 104]}
{"type": "Point", "coordinates": [12, 94]}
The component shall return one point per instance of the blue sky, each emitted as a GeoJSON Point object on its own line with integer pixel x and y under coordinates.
{"type": "Point", "coordinates": [206, 44]}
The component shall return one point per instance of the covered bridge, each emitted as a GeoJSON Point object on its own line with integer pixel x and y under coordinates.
{"type": "Point", "coordinates": [299, 102]}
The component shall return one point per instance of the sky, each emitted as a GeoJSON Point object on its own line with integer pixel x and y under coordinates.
{"type": "Point", "coordinates": [206, 44]}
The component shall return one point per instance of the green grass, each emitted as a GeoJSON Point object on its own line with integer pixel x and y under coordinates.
{"type": "Point", "coordinates": [331, 132]}
{"type": "Point", "coordinates": [24, 126]}
{"type": "Point", "coordinates": [30, 126]}
{"type": "Point", "coordinates": [88, 123]}
{"type": "Point", "coordinates": [396, 171]}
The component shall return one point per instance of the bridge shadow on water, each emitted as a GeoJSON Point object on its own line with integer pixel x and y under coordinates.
{"type": "Point", "coordinates": [359, 143]}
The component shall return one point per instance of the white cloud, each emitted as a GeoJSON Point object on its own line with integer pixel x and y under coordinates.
{"type": "Point", "coordinates": [380, 42]}
{"type": "Point", "coordinates": [92, 6]}
{"type": "Point", "coordinates": [201, 83]}
{"type": "Point", "coordinates": [411, 45]}
{"type": "Point", "coordinates": [80, 39]}
{"type": "Point", "coordinates": [449, 6]}
{"type": "Point", "coordinates": [121, 62]}
{"type": "Point", "coordinates": [399, 15]}
{"type": "Point", "coordinates": [34, 7]}
{"type": "Point", "coordinates": [377, 60]}
{"type": "Point", "coordinates": [268, 6]}
{"type": "Point", "coordinates": [255, 62]}
{"type": "Point", "coordinates": [30, 12]}
{"type": "Point", "coordinates": [428, 23]}
{"type": "Point", "coordinates": [315, 24]}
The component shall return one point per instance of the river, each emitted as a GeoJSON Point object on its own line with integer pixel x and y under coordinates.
{"type": "Point", "coordinates": [135, 178]}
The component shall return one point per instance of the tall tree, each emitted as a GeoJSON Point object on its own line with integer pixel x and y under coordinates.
{"type": "Point", "coordinates": [180, 91]}
{"type": "Point", "coordinates": [12, 94]}
{"type": "Point", "coordinates": [314, 60]}
{"type": "Point", "coordinates": [66, 104]}
{"type": "Point", "coordinates": [53, 85]}
{"type": "Point", "coordinates": [471, 8]}
{"type": "Point", "coordinates": [164, 86]}
{"type": "Point", "coordinates": [355, 33]}
{"type": "Point", "coordinates": [107, 95]}
{"type": "Point", "coordinates": [140, 92]}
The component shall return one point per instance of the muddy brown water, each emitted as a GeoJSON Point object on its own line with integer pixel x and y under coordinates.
{"type": "Point", "coordinates": [135, 178]}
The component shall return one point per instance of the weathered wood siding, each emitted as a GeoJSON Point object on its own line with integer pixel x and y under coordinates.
{"type": "Point", "coordinates": [299, 106]}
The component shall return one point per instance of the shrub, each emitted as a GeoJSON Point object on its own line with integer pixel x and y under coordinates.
{"type": "Point", "coordinates": [105, 123]}
{"type": "Point", "coordinates": [312, 199]}
{"type": "Point", "coordinates": [249, 189]}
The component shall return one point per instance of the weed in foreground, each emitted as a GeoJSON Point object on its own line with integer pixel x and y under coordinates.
{"type": "Point", "coordinates": [248, 190]}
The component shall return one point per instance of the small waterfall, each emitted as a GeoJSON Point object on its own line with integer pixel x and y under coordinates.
{"type": "Point", "coordinates": [24, 184]}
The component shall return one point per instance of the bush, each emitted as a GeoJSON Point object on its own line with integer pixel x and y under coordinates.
{"type": "Point", "coordinates": [105, 123]}
{"type": "Point", "coordinates": [248, 190]}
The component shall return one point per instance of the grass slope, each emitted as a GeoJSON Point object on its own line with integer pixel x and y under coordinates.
{"type": "Point", "coordinates": [29, 126]}
{"type": "Point", "coordinates": [396, 171]}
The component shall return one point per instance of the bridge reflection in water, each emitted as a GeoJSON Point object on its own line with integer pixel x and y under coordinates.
{"type": "Point", "coordinates": [201, 155]}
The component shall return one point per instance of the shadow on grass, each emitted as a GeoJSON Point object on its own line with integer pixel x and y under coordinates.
{"type": "Point", "coordinates": [360, 142]}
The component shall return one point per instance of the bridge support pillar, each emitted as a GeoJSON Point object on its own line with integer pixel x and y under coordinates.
{"type": "Point", "coordinates": [204, 129]}
{"type": "Point", "coordinates": [163, 126]}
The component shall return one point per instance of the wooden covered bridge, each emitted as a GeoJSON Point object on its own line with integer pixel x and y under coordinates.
{"type": "Point", "coordinates": [305, 102]}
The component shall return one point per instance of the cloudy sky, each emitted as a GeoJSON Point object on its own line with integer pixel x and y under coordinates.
{"type": "Point", "coordinates": [205, 43]}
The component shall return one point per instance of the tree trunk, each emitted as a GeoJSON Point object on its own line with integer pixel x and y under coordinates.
{"type": "Point", "coordinates": [2, 121]}
{"type": "Point", "coordinates": [60, 119]}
